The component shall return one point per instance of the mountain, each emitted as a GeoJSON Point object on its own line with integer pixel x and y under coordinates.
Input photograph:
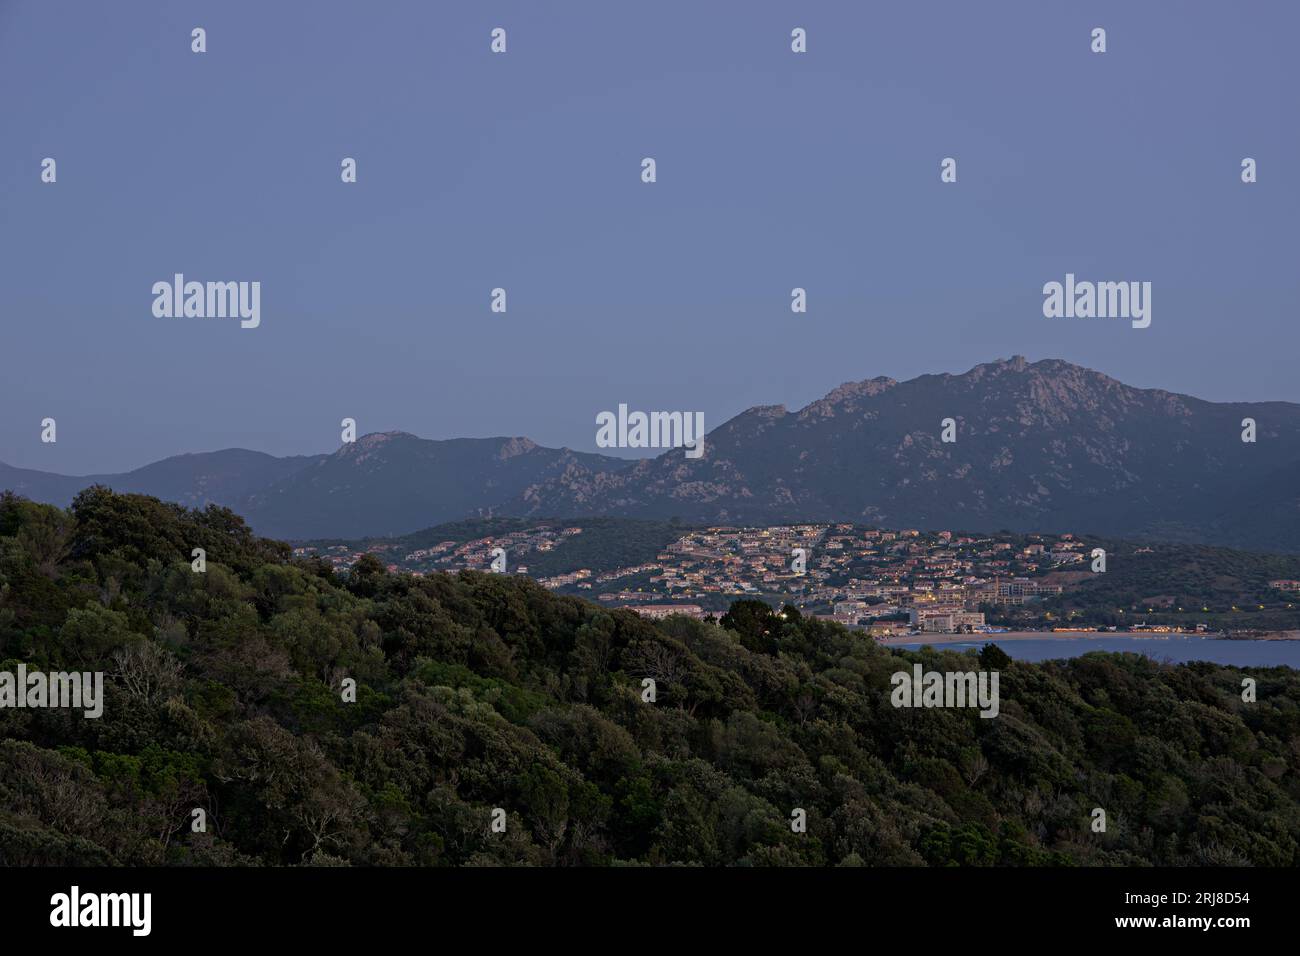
{"type": "Point", "coordinates": [1039, 446]}
{"type": "Point", "coordinates": [1043, 446]}
{"type": "Point", "coordinates": [392, 483]}
{"type": "Point", "coordinates": [219, 477]}
{"type": "Point", "coordinates": [383, 484]}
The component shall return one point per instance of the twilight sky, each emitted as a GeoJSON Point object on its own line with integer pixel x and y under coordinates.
{"type": "Point", "coordinates": [522, 170]}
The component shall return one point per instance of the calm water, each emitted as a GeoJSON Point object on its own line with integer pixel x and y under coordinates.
{"type": "Point", "coordinates": [1172, 647]}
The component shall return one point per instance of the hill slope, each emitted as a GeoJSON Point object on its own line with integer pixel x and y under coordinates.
{"type": "Point", "coordinates": [392, 483]}
{"type": "Point", "coordinates": [219, 477]}
{"type": "Point", "coordinates": [477, 691]}
{"type": "Point", "coordinates": [1044, 446]}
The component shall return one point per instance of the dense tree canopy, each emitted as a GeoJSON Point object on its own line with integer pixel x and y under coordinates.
{"type": "Point", "coordinates": [225, 691]}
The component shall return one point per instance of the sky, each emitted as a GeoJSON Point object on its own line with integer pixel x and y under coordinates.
{"type": "Point", "coordinates": [522, 171]}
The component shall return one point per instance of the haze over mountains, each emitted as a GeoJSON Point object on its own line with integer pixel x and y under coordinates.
{"type": "Point", "coordinates": [1043, 446]}
{"type": "Point", "coordinates": [382, 484]}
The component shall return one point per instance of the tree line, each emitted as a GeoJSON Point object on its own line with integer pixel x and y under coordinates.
{"type": "Point", "coordinates": [226, 691]}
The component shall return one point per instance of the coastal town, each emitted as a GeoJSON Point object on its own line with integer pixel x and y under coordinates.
{"type": "Point", "coordinates": [889, 583]}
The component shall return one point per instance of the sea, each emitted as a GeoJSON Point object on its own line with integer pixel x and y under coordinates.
{"type": "Point", "coordinates": [1171, 648]}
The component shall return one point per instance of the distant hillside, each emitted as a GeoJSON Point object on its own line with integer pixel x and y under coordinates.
{"type": "Point", "coordinates": [1044, 446]}
{"type": "Point", "coordinates": [602, 545]}
{"type": "Point", "coordinates": [382, 484]}
{"type": "Point", "coordinates": [219, 477]}
{"type": "Point", "coordinates": [1047, 446]}
{"type": "Point", "coordinates": [1181, 584]}
{"type": "Point", "coordinates": [393, 482]}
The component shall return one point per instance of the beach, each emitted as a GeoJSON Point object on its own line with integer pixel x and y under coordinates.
{"type": "Point", "coordinates": [1030, 636]}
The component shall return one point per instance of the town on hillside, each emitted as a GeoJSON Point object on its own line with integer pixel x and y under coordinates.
{"type": "Point", "coordinates": [889, 583]}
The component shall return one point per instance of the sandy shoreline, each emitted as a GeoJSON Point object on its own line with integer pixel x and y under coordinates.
{"type": "Point", "coordinates": [1028, 636]}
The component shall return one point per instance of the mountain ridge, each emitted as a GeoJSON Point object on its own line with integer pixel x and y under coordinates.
{"type": "Point", "coordinates": [1044, 445]}
{"type": "Point", "coordinates": [1040, 446]}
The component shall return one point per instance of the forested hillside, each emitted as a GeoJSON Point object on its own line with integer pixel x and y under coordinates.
{"type": "Point", "coordinates": [478, 691]}
{"type": "Point", "coordinates": [603, 545]}
{"type": "Point", "coordinates": [1045, 446]}
{"type": "Point", "coordinates": [1179, 584]}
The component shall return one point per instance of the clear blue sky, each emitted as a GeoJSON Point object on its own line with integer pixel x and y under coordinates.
{"type": "Point", "coordinates": [523, 171]}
